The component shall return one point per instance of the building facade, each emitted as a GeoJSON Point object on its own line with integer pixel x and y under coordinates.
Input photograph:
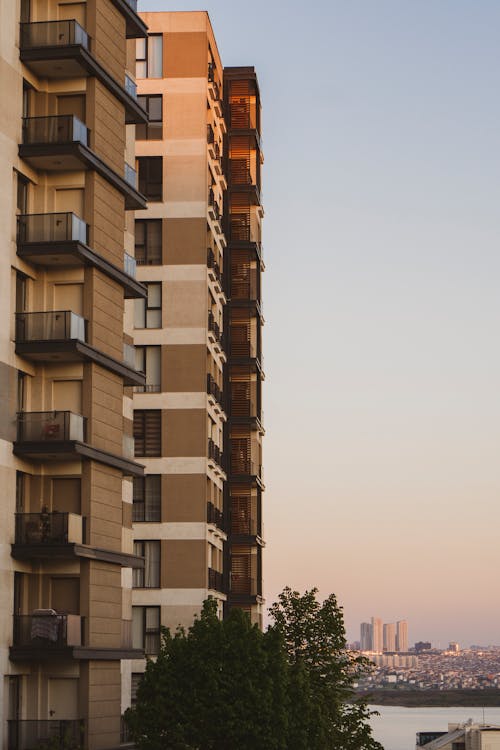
{"type": "Point", "coordinates": [197, 419]}
{"type": "Point", "coordinates": [67, 370]}
{"type": "Point", "coordinates": [377, 635]}
{"type": "Point", "coordinates": [366, 636]}
{"type": "Point", "coordinates": [389, 636]}
{"type": "Point", "coordinates": [402, 635]}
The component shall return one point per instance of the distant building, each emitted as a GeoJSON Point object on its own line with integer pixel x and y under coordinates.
{"type": "Point", "coordinates": [389, 637]}
{"type": "Point", "coordinates": [454, 647]}
{"type": "Point", "coordinates": [377, 635]}
{"type": "Point", "coordinates": [366, 636]}
{"type": "Point", "coordinates": [402, 635]}
{"type": "Point", "coordinates": [467, 736]}
{"type": "Point", "coordinates": [422, 646]}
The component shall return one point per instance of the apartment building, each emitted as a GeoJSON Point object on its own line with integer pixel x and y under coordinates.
{"type": "Point", "coordinates": [197, 419]}
{"type": "Point", "coordinates": [67, 368]}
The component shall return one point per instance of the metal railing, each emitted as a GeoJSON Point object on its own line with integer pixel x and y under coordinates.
{"type": "Point", "coordinates": [214, 515]}
{"type": "Point", "coordinates": [130, 265]}
{"type": "Point", "coordinates": [52, 34]}
{"type": "Point", "coordinates": [60, 325]}
{"type": "Point", "coordinates": [48, 528]}
{"type": "Point", "coordinates": [243, 585]}
{"type": "Point", "coordinates": [213, 204]}
{"type": "Point", "coordinates": [54, 129]}
{"type": "Point", "coordinates": [50, 426]}
{"type": "Point", "coordinates": [210, 134]}
{"type": "Point", "coordinates": [241, 465]}
{"type": "Point", "coordinates": [44, 630]}
{"type": "Point", "coordinates": [25, 734]}
{"type": "Point", "coordinates": [56, 227]}
{"type": "Point", "coordinates": [214, 452]}
{"type": "Point", "coordinates": [148, 388]}
{"type": "Point", "coordinates": [215, 580]}
{"type": "Point", "coordinates": [130, 175]}
{"type": "Point", "coordinates": [213, 264]}
{"type": "Point", "coordinates": [130, 87]}
{"type": "Point", "coordinates": [213, 389]}
{"type": "Point", "coordinates": [213, 326]}
{"type": "Point", "coordinates": [243, 522]}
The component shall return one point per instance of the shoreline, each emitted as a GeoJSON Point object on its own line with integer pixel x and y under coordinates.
{"type": "Point", "coordinates": [460, 698]}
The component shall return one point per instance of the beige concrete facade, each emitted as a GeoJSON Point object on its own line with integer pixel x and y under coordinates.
{"type": "Point", "coordinates": [182, 509]}
{"type": "Point", "coordinates": [65, 218]}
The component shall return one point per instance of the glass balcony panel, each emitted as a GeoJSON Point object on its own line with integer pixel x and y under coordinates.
{"type": "Point", "coordinates": [130, 86]}
{"type": "Point", "coordinates": [130, 175]}
{"type": "Point", "coordinates": [24, 734]}
{"type": "Point", "coordinates": [55, 129]}
{"type": "Point", "coordinates": [47, 629]}
{"type": "Point", "coordinates": [52, 34]}
{"type": "Point", "coordinates": [129, 355]}
{"type": "Point", "coordinates": [57, 227]}
{"type": "Point", "coordinates": [133, 4]}
{"type": "Point", "coordinates": [48, 528]}
{"type": "Point", "coordinates": [49, 326]}
{"type": "Point", "coordinates": [129, 265]}
{"type": "Point", "coordinates": [50, 426]}
{"type": "Point", "coordinates": [128, 446]}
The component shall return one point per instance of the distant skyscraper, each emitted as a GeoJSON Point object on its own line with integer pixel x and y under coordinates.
{"type": "Point", "coordinates": [366, 636]}
{"type": "Point", "coordinates": [402, 635]}
{"type": "Point", "coordinates": [389, 637]}
{"type": "Point", "coordinates": [377, 635]}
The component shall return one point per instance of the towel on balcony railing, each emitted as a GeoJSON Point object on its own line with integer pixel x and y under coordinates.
{"type": "Point", "coordinates": [45, 624]}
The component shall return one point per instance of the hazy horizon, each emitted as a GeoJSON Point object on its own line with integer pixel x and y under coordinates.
{"type": "Point", "coordinates": [382, 193]}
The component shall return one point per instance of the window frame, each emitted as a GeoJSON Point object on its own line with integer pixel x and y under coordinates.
{"type": "Point", "coordinates": [139, 575]}
{"type": "Point", "coordinates": [141, 422]}
{"type": "Point", "coordinates": [143, 306]}
{"type": "Point", "coordinates": [153, 129]}
{"type": "Point", "coordinates": [154, 634]}
{"type": "Point", "coordinates": [148, 498]}
{"type": "Point", "coordinates": [147, 59]}
{"type": "Point", "coordinates": [152, 189]}
{"type": "Point", "coordinates": [144, 254]}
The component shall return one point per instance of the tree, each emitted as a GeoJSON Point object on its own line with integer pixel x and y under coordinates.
{"type": "Point", "coordinates": [218, 685]}
{"type": "Point", "coordinates": [323, 712]}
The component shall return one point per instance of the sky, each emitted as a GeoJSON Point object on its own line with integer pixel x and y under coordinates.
{"type": "Point", "coordinates": [381, 127]}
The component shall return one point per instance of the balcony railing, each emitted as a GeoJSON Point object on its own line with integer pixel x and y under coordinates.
{"type": "Point", "coordinates": [242, 465]}
{"type": "Point", "coordinates": [47, 629]}
{"type": "Point", "coordinates": [214, 515]}
{"type": "Point", "coordinates": [48, 228]}
{"type": "Point", "coordinates": [213, 265]}
{"type": "Point", "coordinates": [54, 129]}
{"type": "Point", "coordinates": [52, 34]}
{"type": "Point", "coordinates": [243, 522]}
{"type": "Point", "coordinates": [214, 452]}
{"type": "Point", "coordinates": [130, 176]}
{"type": "Point", "coordinates": [60, 325]}
{"type": "Point", "coordinates": [133, 4]}
{"type": "Point", "coordinates": [148, 388]}
{"type": "Point", "coordinates": [213, 389]}
{"type": "Point", "coordinates": [48, 528]}
{"type": "Point", "coordinates": [214, 206]}
{"type": "Point", "coordinates": [213, 326]}
{"type": "Point", "coordinates": [50, 426]}
{"type": "Point", "coordinates": [210, 134]}
{"type": "Point", "coordinates": [215, 580]}
{"type": "Point", "coordinates": [25, 734]}
{"type": "Point", "coordinates": [129, 265]}
{"type": "Point", "coordinates": [130, 85]}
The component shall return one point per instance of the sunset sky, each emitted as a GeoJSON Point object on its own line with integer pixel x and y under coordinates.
{"type": "Point", "coordinates": [381, 296]}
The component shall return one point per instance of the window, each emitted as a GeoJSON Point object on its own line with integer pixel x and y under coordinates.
{"type": "Point", "coordinates": [147, 432]}
{"type": "Point", "coordinates": [148, 311]}
{"type": "Point", "coordinates": [153, 130]}
{"type": "Point", "coordinates": [149, 57]}
{"type": "Point", "coordinates": [148, 360]}
{"type": "Point", "coordinates": [149, 576]}
{"type": "Point", "coordinates": [136, 680]}
{"type": "Point", "coordinates": [146, 629]}
{"type": "Point", "coordinates": [22, 379]}
{"type": "Point", "coordinates": [150, 177]}
{"type": "Point", "coordinates": [22, 194]}
{"type": "Point", "coordinates": [21, 292]}
{"type": "Point", "coordinates": [148, 242]}
{"type": "Point", "coordinates": [147, 499]}
{"type": "Point", "coordinates": [25, 11]}
{"type": "Point", "coordinates": [20, 491]}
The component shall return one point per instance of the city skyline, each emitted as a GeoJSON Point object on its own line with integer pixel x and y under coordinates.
{"type": "Point", "coordinates": [381, 251]}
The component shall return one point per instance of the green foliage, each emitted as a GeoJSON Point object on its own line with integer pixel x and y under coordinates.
{"type": "Point", "coordinates": [225, 684]}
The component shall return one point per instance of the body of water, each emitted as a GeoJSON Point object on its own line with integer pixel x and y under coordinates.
{"type": "Point", "coordinates": [396, 726]}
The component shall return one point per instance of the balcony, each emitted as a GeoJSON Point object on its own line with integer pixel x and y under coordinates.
{"type": "Point", "coordinates": [214, 331]}
{"type": "Point", "coordinates": [215, 516]}
{"type": "Point", "coordinates": [45, 629]}
{"type": "Point", "coordinates": [60, 143]}
{"type": "Point", "coordinates": [47, 529]}
{"type": "Point", "coordinates": [243, 585]}
{"type": "Point", "coordinates": [215, 580]}
{"type": "Point", "coordinates": [213, 207]}
{"type": "Point", "coordinates": [61, 336]}
{"type": "Point", "coordinates": [26, 734]}
{"type": "Point", "coordinates": [214, 272]}
{"type": "Point", "coordinates": [214, 390]}
{"type": "Point", "coordinates": [130, 87]}
{"type": "Point", "coordinates": [214, 455]}
{"type": "Point", "coordinates": [62, 239]}
{"type": "Point", "coordinates": [63, 49]}
{"type": "Point", "coordinates": [130, 265]}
